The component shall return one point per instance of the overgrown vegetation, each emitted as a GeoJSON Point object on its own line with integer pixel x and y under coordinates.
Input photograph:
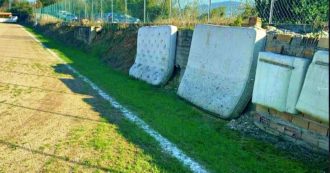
{"type": "Point", "coordinates": [197, 133]}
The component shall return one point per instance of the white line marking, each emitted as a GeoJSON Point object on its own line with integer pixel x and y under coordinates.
{"type": "Point", "coordinates": [165, 144]}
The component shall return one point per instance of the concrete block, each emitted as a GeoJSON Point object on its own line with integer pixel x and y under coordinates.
{"type": "Point", "coordinates": [314, 97]}
{"type": "Point", "coordinates": [221, 68]}
{"type": "Point", "coordinates": [155, 57]}
{"type": "Point", "coordinates": [278, 81]}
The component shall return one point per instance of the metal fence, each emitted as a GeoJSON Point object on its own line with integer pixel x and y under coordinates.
{"type": "Point", "coordinates": [311, 12]}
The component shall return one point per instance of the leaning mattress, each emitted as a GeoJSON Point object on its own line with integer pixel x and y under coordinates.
{"type": "Point", "coordinates": [221, 68]}
{"type": "Point", "coordinates": [314, 96]}
{"type": "Point", "coordinates": [155, 57]}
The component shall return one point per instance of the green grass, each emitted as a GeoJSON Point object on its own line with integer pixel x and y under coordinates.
{"type": "Point", "coordinates": [201, 136]}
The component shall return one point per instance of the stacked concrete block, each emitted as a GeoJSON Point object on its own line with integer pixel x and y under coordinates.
{"type": "Point", "coordinates": [314, 97]}
{"type": "Point", "coordinates": [221, 68]}
{"type": "Point", "coordinates": [278, 82]}
{"type": "Point", "coordinates": [292, 45]}
{"type": "Point", "coordinates": [155, 58]}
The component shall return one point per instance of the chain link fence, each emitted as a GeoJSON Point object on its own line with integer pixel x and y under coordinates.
{"type": "Point", "coordinates": [307, 12]}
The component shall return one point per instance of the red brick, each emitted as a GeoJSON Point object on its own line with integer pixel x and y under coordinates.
{"type": "Point", "coordinates": [300, 121]}
{"type": "Point", "coordinates": [318, 128]}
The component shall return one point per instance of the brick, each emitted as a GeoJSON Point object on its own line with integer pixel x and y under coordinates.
{"type": "Point", "coordinates": [323, 43]}
{"type": "Point", "coordinates": [318, 128]}
{"type": "Point", "coordinates": [256, 117]}
{"type": "Point", "coordinates": [274, 48]}
{"type": "Point", "coordinates": [260, 108]}
{"type": "Point", "coordinates": [292, 132]}
{"type": "Point", "coordinates": [255, 21]}
{"type": "Point", "coordinates": [282, 115]}
{"type": "Point", "coordinates": [323, 144]}
{"type": "Point", "coordinates": [310, 138]}
{"type": "Point", "coordinates": [308, 52]}
{"type": "Point", "coordinates": [277, 127]}
{"type": "Point", "coordinates": [284, 38]}
{"type": "Point", "coordinates": [300, 121]}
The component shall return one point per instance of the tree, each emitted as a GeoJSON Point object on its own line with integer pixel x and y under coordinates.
{"type": "Point", "coordinates": [22, 9]}
{"type": "Point", "coordinates": [297, 12]}
{"type": "Point", "coordinates": [218, 12]}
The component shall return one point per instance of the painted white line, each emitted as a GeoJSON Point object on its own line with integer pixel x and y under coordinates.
{"type": "Point", "coordinates": [165, 144]}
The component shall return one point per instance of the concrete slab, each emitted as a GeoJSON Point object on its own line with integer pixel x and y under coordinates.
{"type": "Point", "coordinates": [155, 58]}
{"type": "Point", "coordinates": [221, 68]}
{"type": "Point", "coordinates": [314, 97]}
{"type": "Point", "coordinates": [278, 81]}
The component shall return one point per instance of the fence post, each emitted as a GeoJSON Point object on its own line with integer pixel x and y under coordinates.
{"type": "Point", "coordinates": [170, 15]}
{"type": "Point", "coordinates": [271, 12]}
{"type": "Point", "coordinates": [125, 11]}
{"type": "Point", "coordinates": [112, 15]}
{"type": "Point", "coordinates": [101, 11]}
{"type": "Point", "coordinates": [209, 12]}
{"type": "Point", "coordinates": [144, 10]}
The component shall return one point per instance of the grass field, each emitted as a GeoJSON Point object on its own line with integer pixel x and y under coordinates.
{"type": "Point", "coordinates": [198, 134]}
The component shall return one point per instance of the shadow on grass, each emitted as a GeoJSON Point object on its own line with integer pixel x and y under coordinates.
{"type": "Point", "coordinates": [63, 158]}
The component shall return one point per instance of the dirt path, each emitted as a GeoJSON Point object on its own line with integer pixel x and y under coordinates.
{"type": "Point", "coordinates": [50, 121]}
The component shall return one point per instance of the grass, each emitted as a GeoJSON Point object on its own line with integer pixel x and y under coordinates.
{"type": "Point", "coordinates": [201, 136]}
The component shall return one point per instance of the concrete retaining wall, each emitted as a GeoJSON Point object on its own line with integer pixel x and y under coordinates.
{"type": "Point", "coordinates": [221, 68]}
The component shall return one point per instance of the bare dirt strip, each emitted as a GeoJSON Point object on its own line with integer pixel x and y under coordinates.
{"type": "Point", "coordinates": [50, 121]}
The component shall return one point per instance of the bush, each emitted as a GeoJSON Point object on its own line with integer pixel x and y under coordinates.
{"type": "Point", "coordinates": [23, 10]}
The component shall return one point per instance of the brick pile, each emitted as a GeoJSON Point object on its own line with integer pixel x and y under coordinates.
{"type": "Point", "coordinates": [300, 129]}
{"type": "Point", "coordinates": [294, 44]}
